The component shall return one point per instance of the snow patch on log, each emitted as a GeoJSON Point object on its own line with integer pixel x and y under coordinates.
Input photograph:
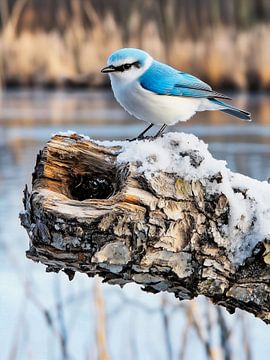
{"type": "Point", "coordinates": [248, 199]}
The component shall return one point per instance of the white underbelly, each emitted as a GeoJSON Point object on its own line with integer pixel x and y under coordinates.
{"type": "Point", "coordinates": [156, 109]}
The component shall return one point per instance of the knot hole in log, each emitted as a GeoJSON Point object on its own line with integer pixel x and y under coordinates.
{"type": "Point", "coordinates": [91, 186]}
{"type": "Point", "coordinates": [80, 175]}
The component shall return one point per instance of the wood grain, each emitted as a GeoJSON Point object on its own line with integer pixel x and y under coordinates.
{"type": "Point", "coordinates": [87, 213]}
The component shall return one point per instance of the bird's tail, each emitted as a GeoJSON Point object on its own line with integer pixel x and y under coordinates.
{"type": "Point", "coordinates": [231, 110]}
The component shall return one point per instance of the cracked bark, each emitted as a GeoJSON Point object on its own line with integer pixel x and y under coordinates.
{"type": "Point", "coordinates": [87, 213]}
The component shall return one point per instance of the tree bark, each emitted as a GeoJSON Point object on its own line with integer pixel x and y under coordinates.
{"type": "Point", "coordinates": [88, 212]}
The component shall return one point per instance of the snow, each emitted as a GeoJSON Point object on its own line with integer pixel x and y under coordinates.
{"type": "Point", "coordinates": [188, 157]}
{"type": "Point", "coordinates": [249, 220]}
{"type": "Point", "coordinates": [165, 154]}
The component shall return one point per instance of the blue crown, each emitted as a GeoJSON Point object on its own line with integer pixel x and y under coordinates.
{"type": "Point", "coordinates": [122, 54]}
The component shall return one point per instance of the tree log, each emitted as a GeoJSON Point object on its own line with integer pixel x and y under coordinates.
{"type": "Point", "coordinates": [162, 213]}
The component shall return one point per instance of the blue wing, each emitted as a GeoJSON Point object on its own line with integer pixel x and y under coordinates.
{"type": "Point", "coordinates": [162, 79]}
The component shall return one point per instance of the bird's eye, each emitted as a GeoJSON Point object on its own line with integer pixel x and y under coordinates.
{"type": "Point", "coordinates": [137, 64]}
{"type": "Point", "coordinates": [127, 66]}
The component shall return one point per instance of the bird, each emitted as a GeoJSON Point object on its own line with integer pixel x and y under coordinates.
{"type": "Point", "coordinates": [160, 94]}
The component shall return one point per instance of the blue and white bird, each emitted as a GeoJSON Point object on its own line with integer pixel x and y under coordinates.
{"type": "Point", "coordinates": [159, 94]}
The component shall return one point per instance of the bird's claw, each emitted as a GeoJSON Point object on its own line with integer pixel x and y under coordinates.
{"type": "Point", "coordinates": [141, 138]}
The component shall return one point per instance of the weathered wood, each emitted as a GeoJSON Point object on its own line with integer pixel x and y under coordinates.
{"type": "Point", "coordinates": [87, 212]}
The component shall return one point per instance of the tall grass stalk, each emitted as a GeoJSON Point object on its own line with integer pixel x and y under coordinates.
{"type": "Point", "coordinates": [100, 324]}
{"type": "Point", "coordinates": [233, 52]}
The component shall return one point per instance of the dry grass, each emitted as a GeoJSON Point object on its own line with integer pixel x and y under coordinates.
{"type": "Point", "coordinates": [222, 55]}
{"type": "Point", "coordinates": [101, 324]}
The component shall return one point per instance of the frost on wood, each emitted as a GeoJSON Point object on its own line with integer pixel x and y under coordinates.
{"type": "Point", "coordinates": [161, 213]}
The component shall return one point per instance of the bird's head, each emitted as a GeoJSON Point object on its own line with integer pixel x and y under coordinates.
{"type": "Point", "coordinates": [127, 64]}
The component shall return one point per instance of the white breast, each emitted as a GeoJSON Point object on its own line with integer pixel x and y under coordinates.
{"type": "Point", "coordinates": [152, 108]}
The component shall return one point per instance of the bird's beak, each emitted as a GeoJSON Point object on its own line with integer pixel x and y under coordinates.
{"type": "Point", "coordinates": [108, 69]}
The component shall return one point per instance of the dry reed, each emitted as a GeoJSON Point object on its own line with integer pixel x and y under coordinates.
{"type": "Point", "coordinates": [223, 54]}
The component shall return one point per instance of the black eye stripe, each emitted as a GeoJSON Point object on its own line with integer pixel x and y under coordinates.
{"type": "Point", "coordinates": [127, 66]}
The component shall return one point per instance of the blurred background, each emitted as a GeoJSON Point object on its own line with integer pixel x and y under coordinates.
{"type": "Point", "coordinates": [51, 53]}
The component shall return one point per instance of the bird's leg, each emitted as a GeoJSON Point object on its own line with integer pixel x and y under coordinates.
{"type": "Point", "coordinates": [140, 136]}
{"type": "Point", "coordinates": [160, 131]}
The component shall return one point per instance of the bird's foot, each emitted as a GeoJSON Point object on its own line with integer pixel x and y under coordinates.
{"type": "Point", "coordinates": [141, 138]}
{"type": "Point", "coordinates": [134, 139]}
{"type": "Point", "coordinates": [157, 136]}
